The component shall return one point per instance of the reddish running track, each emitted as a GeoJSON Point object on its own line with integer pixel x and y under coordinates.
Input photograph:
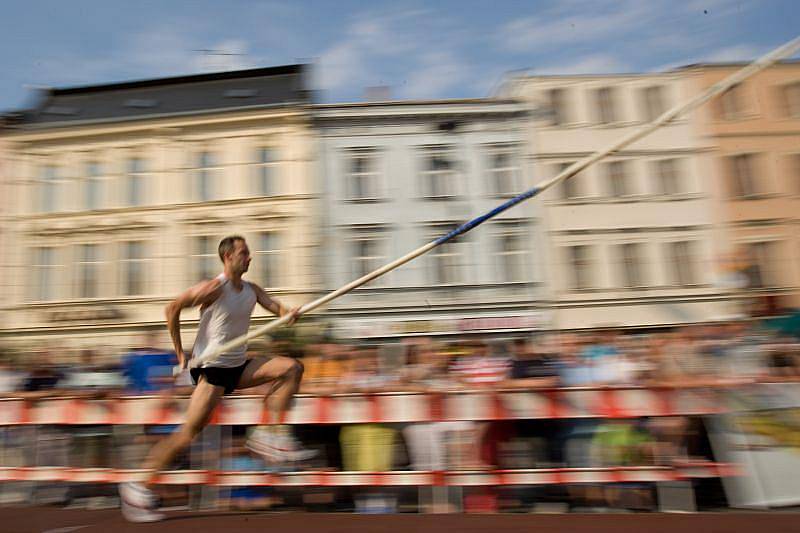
{"type": "Point", "coordinates": [54, 520]}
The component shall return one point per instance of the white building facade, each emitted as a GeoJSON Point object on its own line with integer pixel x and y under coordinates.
{"type": "Point", "coordinates": [397, 175]}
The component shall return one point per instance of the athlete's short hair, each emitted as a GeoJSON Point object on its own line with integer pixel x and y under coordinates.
{"type": "Point", "coordinates": [227, 244]}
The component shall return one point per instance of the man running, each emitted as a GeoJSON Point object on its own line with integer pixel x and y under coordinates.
{"type": "Point", "coordinates": [226, 304]}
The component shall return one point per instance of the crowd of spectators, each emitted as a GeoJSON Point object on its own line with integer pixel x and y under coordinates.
{"type": "Point", "coordinates": [732, 353]}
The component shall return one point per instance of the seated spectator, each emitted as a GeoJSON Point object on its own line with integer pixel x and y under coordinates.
{"type": "Point", "coordinates": [426, 366]}
{"type": "Point", "coordinates": [12, 377]}
{"type": "Point", "coordinates": [325, 364]}
{"type": "Point", "coordinates": [603, 344]}
{"type": "Point", "coordinates": [533, 365]}
{"type": "Point", "coordinates": [479, 366]}
{"type": "Point", "coordinates": [783, 356]}
{"type": "Point", "coordinates": [429, 442]}
{"type": "Point", "coordinates": [44, 376]}
{"type": "Point", "coordinates": [88, 375]}
{"type": "Point", "coordinates": [575, 370]}
{"type": "Point", "coordinates": [623, 443]}
{"type": "Point", "coordinates": [368, 447]}
{"type": "Point", "coordinates": [364, 374]}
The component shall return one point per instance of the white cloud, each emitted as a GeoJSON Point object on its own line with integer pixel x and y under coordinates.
{"type": "Point", "coordinates": [419, 53]}
{"type": "Point", "coordinates": [740, 52]}
{"type": "Point", "coordinates": [725, 54]}
{"type": "Point", "coordinates": [639, 29]}
{"type": "Point", "coordinates": [341, 65]}
{"type": "Point", "coordinates": [436, 72]}
{"type": "Point", "coordinates": [547, 31]}
{"type": "Point", "coordinates": [169, 48]}
{"type": "Point", "coordinates": [230, 54]}
{"type": "Point", "coordinates": [590, 64]}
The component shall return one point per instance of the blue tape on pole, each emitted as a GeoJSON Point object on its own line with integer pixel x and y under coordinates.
{"type": "Point", "coordinates": [463, 228]}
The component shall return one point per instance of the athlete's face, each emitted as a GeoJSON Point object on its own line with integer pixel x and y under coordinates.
{"type": "Point", "coordinates": [239, 258]}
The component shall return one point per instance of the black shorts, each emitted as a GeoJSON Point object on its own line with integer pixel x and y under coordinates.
{"type": "Point", "coordinates": [221, 377]}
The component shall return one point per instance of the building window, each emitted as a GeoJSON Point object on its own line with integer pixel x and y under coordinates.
{"type": "Point", "coordinates": [363, 179]}
{"type": "Point", "coordinates": [44, 275]}
{"type": "Point", "coordinates": [731, 103]}
{"type": "Point", "coordinates": [578, 258]}
{"type": "Point", "coordinates": [556, 99]}
{"type": "Point", "coordinates": [204, 258]}
{"type": "Point", "coordinates": [89, 264]}
{"type": "Point", "coordinates": [368, 253]}
{"type": "Point", "coordinates": [653, 102]}
{"type": "Point", "coordinates": [606, 106]}
{"type": "Point", "coordinates": [618, 180]}
{"type": "Point", "coordinates": [445, 261]}
{"type": "Point", "coordinates": [764, 263]}
{"type": "Point", "coordinates": [682, 263]}
{"type": "Point", "coordinates": [742, 176]}
{"type": "Point", "coordinates": [268, 256]}
{"type": "Point", "coordinates": [265, 172]}
{"type": "Point", "coordinates": [667, 176]}
{"type": "Point", "coordinates": [791, 94]}
{"type": "Point", "coordinates": [631, 265]}
{"type": "Point", "coordinates": [503, 171]}
{"type": "Point", "coordinates": [205, 186]}
{"type": "Point", "coordinates": [571, 188]}
{"type": "Point", "coordinates": [134, 181]}
{"type": "Point", "coordinates": [132, 263]}
{"type": "Point", "coordinates": [48, 189]}
{"type": "Point", "coordinates": [93, 186]}
{"type": "Point", "coordinates": [512, 255]}
{"type": "Point", "coordinates": [438, 176]}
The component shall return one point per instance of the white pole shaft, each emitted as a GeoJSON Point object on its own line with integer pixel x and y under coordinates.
{"type": "Point", "coordinates": [718, 88]}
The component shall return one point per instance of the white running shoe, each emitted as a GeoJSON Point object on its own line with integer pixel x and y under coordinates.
{"type": "Point", "coordinates": [138, 503]}
{"type": "Point", "coordinates": [277, 446]}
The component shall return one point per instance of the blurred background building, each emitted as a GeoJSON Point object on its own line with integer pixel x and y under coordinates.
{"type": "Point", "coordinates": [755, 179]}
{"type": "Point", "coordinates": [396, 175]}
{"type": "Point", "coordinates": [631, 239]}
{"type": "Point", "coordinates": [117, 195]}
{"type": "Point", "coordinates": [123, 191]}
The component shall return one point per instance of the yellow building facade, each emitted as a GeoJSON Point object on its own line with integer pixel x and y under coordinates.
{"type": "Point", "coordinates": [116, 198]}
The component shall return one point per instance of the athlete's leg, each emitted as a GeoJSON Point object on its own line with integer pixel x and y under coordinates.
{"type": "Point", "coordinates": [276, 442]}
{"type": "Point", "coordinates": [283, 373]}
{"type": "Point", "coordinates": [204, 399]}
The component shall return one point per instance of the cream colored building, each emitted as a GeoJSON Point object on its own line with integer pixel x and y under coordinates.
{"type": "Point", "coordinates": [631, 240]}
{"type": "Point", "coordinates": [755, 128]}
{"type": "Point", "coordinates": [119, 194]}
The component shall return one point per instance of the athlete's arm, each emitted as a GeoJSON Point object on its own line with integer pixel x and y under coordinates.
{"type": "Point", "coordinates": [203, 294]}
{"type": "Point", "coordinates": [272, 305]}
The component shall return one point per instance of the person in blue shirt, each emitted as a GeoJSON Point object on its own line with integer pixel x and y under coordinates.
{"type": "Point", "coordinates": [604, 346]}
{"type": "Point", "coordinates": [148, 369]}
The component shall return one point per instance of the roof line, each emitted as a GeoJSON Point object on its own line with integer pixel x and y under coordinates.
{"type": "Point", "coordinates": [175, 80]}
{"type": "Point", "coordinates": [431, 102]}
{"type": "Point", "coordinates": [26, 128]}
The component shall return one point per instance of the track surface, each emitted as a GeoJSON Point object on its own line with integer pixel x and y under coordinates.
{"type": "Point", "coordinates": [54, 520]}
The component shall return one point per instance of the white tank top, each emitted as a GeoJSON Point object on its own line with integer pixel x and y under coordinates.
{"type": "Point", "coordinates": [224, 320]}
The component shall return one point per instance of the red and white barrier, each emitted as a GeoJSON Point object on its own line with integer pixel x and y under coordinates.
{"type": "Point", "coordinates": [379, 407]}
{"type": "Point", "coordinates": [548, 476]}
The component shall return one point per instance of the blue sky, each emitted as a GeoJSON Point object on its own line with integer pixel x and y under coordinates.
{"type": "Point", "coordinates": [419, 49]}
